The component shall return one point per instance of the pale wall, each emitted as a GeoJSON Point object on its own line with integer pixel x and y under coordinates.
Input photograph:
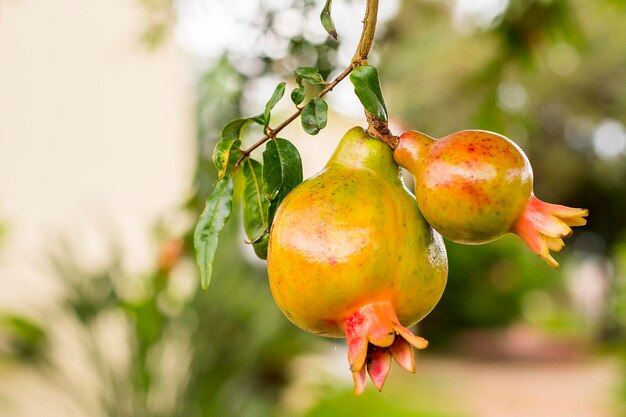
{"type": "Point", "coordinates": [96, 133]}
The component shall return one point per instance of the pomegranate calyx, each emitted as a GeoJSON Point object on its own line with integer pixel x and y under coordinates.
{"type": "Point", "coordinates": [372, 335]}
{"type": "Point", "coordinates": [360, 379]}
{"type": "Point", "coordinates": [542, 226]}
{"type": "Point", "coordinates": [378, 365]}
{"type": "Point", "coordinates": [402, 353]}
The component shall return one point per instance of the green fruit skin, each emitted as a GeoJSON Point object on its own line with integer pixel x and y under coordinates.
{"type": "Point", "coordinates": [471, 185]}
{"type": "Point", "coordinates": [350, 236]}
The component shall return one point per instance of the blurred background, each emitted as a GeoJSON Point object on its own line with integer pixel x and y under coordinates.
{"type": "Point", "coordinates": [109, 112]}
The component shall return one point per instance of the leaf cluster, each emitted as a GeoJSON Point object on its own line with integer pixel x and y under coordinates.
{"type": "Point", "coordinates": [267, 183]}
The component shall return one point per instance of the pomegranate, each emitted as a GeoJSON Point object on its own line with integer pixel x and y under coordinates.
{"type": "Point", "coordinates": [473, 186]}
{"type": "Point", "coordinates": [351, 255]}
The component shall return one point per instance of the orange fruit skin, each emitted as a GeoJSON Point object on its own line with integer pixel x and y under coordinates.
{"type": "Point", "coordinates": [471, 185]}
{"type": "Point", "coordinates": [350, 236]}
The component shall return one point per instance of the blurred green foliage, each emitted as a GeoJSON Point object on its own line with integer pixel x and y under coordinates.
{"type": "Point", "coordinates": [186, 353]}
{"type": "Point", "coordinates": [24, 339]}
{"type": "Point", "coordinates": [344, 403]}
{"type": "Point", "coordinates": [617, 298]}
{"type": "Point", "coordinates": [489, 287]}
{"type": "Point", "coordinates": [160, 17]}
{"type": "Point", "coordinates": [616, 325]}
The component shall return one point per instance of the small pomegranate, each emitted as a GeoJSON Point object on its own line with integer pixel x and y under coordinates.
{"type": "Point", "coordinates": [474, 186]}
{"type": "Point", "coordinates": [351, 255]}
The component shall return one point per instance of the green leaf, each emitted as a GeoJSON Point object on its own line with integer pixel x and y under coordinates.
{"type": "Point", "coordinates": [309, 74]}
{"type": "Point", "coordinates": [314, 116]}
{"type": "Point", "coordinates": [227, 151]}
{"type": "Point", "coordinates": [255, 207]}
{"type": "Point", "coordinates": [327, 20]}
{"type": "Point", "coordinates": [212, 220]}
{"type": "Point", "coordinates": [282, 172]}
{"type": "Point", "coordinates": [232, 130]}
{"type": "Point", "coordinates": [367, 88]}
{"type": "Point", "coordinates": [279, 92]}
{"type": "Point", "coordinates": [259, 119]}
{"type": "Point", "coordinates": [297, 95]}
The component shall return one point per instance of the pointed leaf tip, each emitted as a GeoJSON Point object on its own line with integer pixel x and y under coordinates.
{"type": "Point", "coordinates": [278, 93]}
{"type": "Point", "coordinates": [327, 20]}
{"type": "Point", "coordinates": [212, 220]}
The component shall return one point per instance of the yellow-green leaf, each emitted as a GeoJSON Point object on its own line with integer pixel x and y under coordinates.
{"type": "Point", "coordinates": [225, 155]}
{"type": "Point", "coordinates": [227, 151]}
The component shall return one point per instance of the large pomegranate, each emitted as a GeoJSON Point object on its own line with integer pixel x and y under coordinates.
{"type": "Point", "coordinates": [473, 186]}
{"type": "Point", "coordinates": [351, 255]}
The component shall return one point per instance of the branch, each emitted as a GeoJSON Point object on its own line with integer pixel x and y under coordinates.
{"type": "Point", "coordinates": [294, 116]}
{"type": "Point", "coordinates": [367, 36]}
{"type": "Point", "coordinates": [360, 58]}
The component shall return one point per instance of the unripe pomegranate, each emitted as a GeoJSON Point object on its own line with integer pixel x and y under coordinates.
{"type": "Point", "coordinates": [351, 255]}
{"type": "Point", "coordinates": [474, 186]}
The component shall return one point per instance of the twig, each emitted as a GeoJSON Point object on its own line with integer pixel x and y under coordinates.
{"type": "Point", "coordinates": [367, 35]}
{"type": "Point", "coordinates": [294, 116]}
{"type": "Point", "coordinates": [360, 58]}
